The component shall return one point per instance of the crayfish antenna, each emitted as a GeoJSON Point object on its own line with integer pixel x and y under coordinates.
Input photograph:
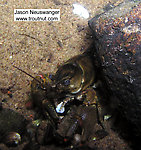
{"type": "Point", "coordinates": [28, 75]}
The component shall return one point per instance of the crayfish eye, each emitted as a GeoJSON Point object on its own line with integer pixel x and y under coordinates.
{"type": "Point", "coordinates": [67, 82]}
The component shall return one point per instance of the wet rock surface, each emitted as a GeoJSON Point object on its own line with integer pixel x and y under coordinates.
{"type": "Point", "coordinates": [118, 53]}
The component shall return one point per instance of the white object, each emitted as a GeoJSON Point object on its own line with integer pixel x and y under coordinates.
{"type": "Point", "coordinates": [60, 108]}
{"type": "Point", "coordinates": [80, 11]}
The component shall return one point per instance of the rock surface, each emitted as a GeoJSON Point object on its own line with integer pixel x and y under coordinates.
{"type": "Point", "coordinates": [118, 53]}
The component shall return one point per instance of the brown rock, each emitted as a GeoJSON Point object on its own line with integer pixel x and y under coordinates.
{"type": "Point", "coordinates": [117, 40]}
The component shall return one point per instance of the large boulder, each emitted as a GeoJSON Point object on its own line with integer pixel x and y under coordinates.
{"type": "Point", "coordinates": [117, 41]}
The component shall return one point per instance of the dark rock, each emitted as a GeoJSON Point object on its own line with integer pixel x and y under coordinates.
{"type": "Point", "coordinates": [3, 147]}
{"type": "Point", "coordinates": [32, 146]}
{"type": "Point", "coordinates": [11, 121]}
{"type": "Point", "coordinates": [44, 133]}
{"type": "Point", "coordinates": [118, 53]}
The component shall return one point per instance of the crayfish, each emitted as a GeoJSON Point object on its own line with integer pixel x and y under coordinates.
{"type": "Point", "coordinates": [67, 101]}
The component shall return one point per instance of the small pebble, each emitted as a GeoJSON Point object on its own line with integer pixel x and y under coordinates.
{"type": "Point", "coordinates": [77, 138]}
{"type": "Point", "coordinates": [106, 117]}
